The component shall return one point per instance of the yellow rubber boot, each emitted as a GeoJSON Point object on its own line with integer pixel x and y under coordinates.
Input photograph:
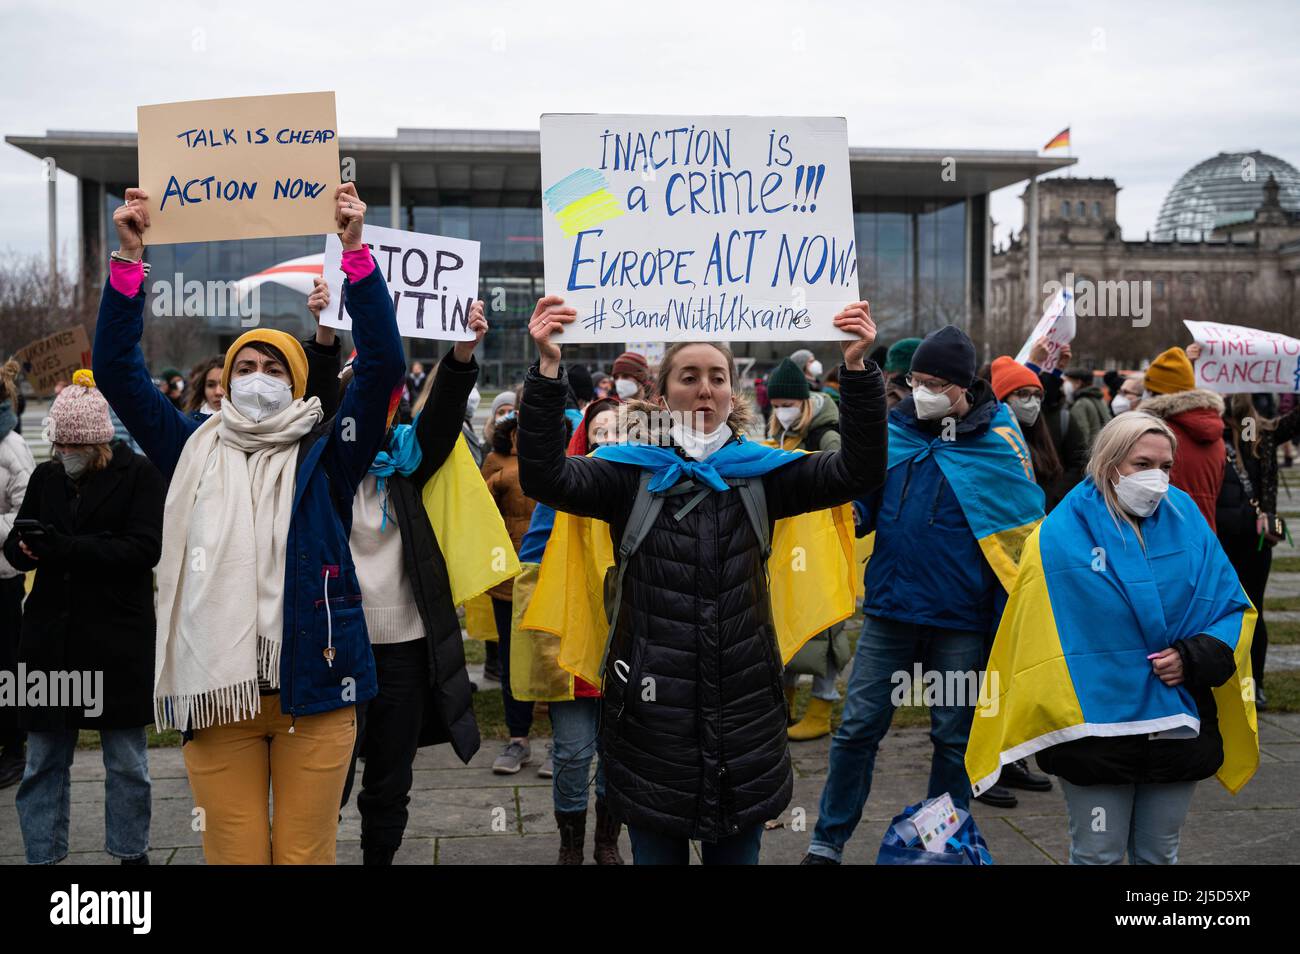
{"type": "Point", "coordinates": [816, 722]}
{"type": "Point", "coordinates": [790, 692]}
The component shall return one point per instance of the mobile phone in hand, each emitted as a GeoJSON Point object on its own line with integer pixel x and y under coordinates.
{"type": "Point", "coordinates": [27, 527]}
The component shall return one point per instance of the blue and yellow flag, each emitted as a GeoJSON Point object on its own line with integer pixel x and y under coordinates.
{"type": "Point", "coordinates": [1089, 607]}
{"type": "Point", "coordinates": [992, 476]}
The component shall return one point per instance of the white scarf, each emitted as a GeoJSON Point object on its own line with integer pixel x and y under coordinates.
{"type": "Point", "coordinates": [225, 532]}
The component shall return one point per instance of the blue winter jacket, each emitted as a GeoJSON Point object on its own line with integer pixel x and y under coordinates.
{"type": "Point", "coordinates": [927, 567]}
{"type": "Point", "coordinates": [330, 467]}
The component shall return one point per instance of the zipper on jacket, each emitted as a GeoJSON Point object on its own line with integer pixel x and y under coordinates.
{"type": "Point", "coordinates": [902, 498]}
{"type": "Point", "coordinates": [934, 506]}
{"type": "Point", "coordinates": [723, 781]}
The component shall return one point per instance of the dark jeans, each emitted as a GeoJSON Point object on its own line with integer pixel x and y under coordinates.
{"type": "Point", "coordinates": [389, 728]}
{"type": "Point", "coordinates": [519, 715]}
{"type": "Point", "coordinates": [652, 848]}
{"type": "Point", "coordinates": [1253, 566]}
{"type": "Point", "coordinates": [11, 624]}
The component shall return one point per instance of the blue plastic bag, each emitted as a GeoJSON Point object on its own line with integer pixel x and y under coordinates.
{"type": "Point", "coordinates": [965, 847]}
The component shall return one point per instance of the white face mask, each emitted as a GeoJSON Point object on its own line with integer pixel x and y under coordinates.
{"type": "Point", "coordinates": [75, 463]}
{"type": "Point", "coordinates": [259, 396]}
{"type": "Point", "coordinates": [698, 445]}
{"type": "Point", "coordinates": [1120, 404]}
{"type": "Point", "coordinates": [626, 388]}
{"type": "Point", "coordinates": [815, 369]}
{"type": "Point", "coordinates": [1142, 492]}
{"type": "Point", "coordinates": [1068, 389]}
{"type": "Point", "coordinates": [1026, 409]}
{"type": "Point", "coordinates": [788, 416]}
{"type": "Point", "coordinates": [471, 403]}
{"type": "Point", "coordinates": [930, 405]}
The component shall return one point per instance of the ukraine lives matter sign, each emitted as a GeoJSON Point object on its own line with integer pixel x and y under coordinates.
{"type": "Point", "coordinates": [676, 228]}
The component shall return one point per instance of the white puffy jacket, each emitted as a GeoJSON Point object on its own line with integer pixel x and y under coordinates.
{"type": "Point", "coordinates": [16, 466]}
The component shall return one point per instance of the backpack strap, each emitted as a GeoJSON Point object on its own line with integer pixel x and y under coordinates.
{"type": "Point", "coordinates": [754, 497]}
{"type": "Point", "coordinates": [645, 510]}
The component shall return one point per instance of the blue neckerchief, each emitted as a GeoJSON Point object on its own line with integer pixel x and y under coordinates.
{"type": "Point", "coordinates": [8, 420]}
{"type": "Point", "coordinates": [739, 458]}
{"type": "Point", "coordinates": [403, 456]}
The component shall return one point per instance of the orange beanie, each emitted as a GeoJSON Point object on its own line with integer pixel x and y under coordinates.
{"type": "Point", "coordinates": [1010, 375]}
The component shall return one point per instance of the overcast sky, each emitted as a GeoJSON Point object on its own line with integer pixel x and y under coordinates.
{"type": "Point", "coordinates": [1149, 90]}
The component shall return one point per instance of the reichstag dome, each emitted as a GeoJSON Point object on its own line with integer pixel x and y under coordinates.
{"type": "Point", "coordinates": [1222, 190]}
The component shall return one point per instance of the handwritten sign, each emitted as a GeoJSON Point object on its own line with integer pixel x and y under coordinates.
{"type": "Point", "coordinates": [249, 167]}
{"type": "Point", "coordinates": [433, 280]}
{"type": "Point", "coordinates": [50, 360]}
{"type": "Point", "coordinates": [686, 228]}
{"type": "Point", "coordinates": [1057, 326]}
{"type": "Point", "coordinates": [1236, 359]}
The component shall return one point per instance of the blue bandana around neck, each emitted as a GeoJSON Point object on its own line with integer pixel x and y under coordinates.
{"type": "Point", "coordinates": [735, 459]}
{"type": "Point", "coordinates": [403, 456]}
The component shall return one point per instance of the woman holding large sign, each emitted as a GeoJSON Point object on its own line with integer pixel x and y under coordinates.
{"type": "Point", "coordinates": [694, 725]}
{"type": "Point", "coordinates": [262, 651]}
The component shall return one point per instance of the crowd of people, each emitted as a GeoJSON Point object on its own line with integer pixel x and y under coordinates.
{"type": "Point", "coordinates": [308, 593]}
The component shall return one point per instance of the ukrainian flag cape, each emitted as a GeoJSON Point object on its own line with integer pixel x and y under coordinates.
{"type": "Point", "coordinates": [469, 529]}
{"type": "Point", "coordinates": [1088, 608]}
{"type": "Point", "coordinates": [811, 569]}
{"type": "Point", "coordinates": [993, 480]}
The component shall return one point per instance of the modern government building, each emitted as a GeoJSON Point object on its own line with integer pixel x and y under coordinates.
{"type": "Point", "coordinates": [921, 217]}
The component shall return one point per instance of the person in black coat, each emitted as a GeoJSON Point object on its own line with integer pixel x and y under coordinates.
{"type": "Point", "coordinates": [708, 757]}
{"type": "Point", "coordinates": [88, 625]}
{"type": "Point", "coordinates": [425, 696]}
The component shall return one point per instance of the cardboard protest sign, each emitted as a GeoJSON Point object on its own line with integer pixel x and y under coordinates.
{"type": "Point", "coordinates": [1057, 325]}
{"type": "Point", "coordinates": [434, 280]}
{"type": "Point", "coordinates": [248, 167]}
{"type": "Point", "coordinates": [1236, 359]}
{"type": "Point", "coordinates": [50, 360]}
{"type": "Point", "coordinates": [674, 228]}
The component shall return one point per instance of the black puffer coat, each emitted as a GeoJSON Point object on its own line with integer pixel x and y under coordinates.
{"type": "Point", "coordinates": [708, 755]}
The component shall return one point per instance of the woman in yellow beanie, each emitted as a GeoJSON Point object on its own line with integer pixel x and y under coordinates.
{"type": "Point", "coordinates": [91, 527]}
{"type": "Point", "coordinates": [262, 648]}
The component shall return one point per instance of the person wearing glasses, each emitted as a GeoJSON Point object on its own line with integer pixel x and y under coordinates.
{"type": "Point", "coordinates": [932, 595]}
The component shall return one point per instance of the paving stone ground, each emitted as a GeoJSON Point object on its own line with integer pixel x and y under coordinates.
{"type": "Point", "coordinates": [453, 808]}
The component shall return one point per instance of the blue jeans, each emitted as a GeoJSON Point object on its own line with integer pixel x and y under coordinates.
{"type": "Point", "coordinates": [575, 746]}
{"type": "Point", "coordinates": [652, 848]}
{"type": "Point", "coordinates": [519, 715]}
{"type": "Point", "coordinates": [1145, 820]}
{"type": "Point", "coordinates": [45, 794]}
{"type": "Point", "coordinates": [887, 648]}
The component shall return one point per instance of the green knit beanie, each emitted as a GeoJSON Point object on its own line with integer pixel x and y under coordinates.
{"type": "Point", "coordinates": [787, 381]}
{"type": "Point", "coordinates": [899, 359]}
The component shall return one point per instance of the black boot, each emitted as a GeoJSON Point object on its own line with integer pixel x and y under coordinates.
{"type": "Point", "coordinates": [998, 797]}
{"type": "Point", "coordinates": [377, 856]}
{"type": "Point", "coordinates": [811, 859]}
{"type": "Point", "coordinates": [1018, 775]}
{"type": "Point", "coordinates": [573, 832]}
{"type": "Point", "coordinates": [142, 860]}
{"type": "Point", "coordinates": [607, 829]}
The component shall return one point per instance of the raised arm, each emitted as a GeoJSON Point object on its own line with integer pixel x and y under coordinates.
{"type": "Point", "coordinates": [120, 373]}
{"type": "Point", "coordinates": [830, 478]}
{"type": "Point", "coordinates": [583, 486]}
{"type": "Point", "coordinates": [323, 351]}
{"type": "Point", "coordinates": [359, 426]}
{"type": "Point", "coordinates": [438, 424]}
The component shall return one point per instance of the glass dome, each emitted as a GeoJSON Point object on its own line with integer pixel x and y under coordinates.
{"type": "Point", "coordinates": [1224, 189]}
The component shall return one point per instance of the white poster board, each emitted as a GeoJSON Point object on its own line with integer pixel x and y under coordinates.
{"type": "Point", "coordinates": [433, 279]}
{"type": "Point", "coordinates": [1237, 360]}
{"type": "Point", "coordinates": [1057, 325]}
{"type": "Point", "coordinates": [697, 228]}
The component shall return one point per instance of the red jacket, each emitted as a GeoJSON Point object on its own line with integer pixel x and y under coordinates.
{"type": "Point", "coordinates": [1196, 418]}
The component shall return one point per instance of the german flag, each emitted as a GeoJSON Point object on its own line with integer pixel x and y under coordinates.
{"type": "Point", "coordinates": [1060, 141]}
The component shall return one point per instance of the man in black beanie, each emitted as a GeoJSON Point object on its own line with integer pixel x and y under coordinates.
{"type": "Point", "coordinates": [931, 595]}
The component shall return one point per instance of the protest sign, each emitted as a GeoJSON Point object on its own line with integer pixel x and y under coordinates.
{"type": "Point", "coordinates": [1057, 326]}
{"type": "Point", "coordinates": [50, 360]}
{"type": "Point", "coordinates": [1236, 359]}
{"type": "Point", "coordinates": [687, 228]}
{"type": "Point", "coordinates": [433, 279]}
{"type": "Point", "coordinates": [248, 167]}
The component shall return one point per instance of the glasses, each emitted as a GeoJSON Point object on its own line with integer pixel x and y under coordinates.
{"type": "Point", "coordinates": [933, 384]}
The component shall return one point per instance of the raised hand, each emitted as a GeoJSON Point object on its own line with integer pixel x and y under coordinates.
{"type": "Point", "coordinates": [549, 317]}
{"type": "Point", "coordinates": [464, 350]}
{"type": "Point", "coordinates": [856, 320]}
{"type": "Point", "coordinates": [131, 221]}
{"type": "Point", "coordinates": [350, 213]}
{"type": "Point", "coordinates": [317, 302]}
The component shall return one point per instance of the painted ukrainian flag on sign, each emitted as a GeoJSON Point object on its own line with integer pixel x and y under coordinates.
{"type": "Point", "coordinates": [1089, 607]}
{"type": "Point", "coordinates": [580, 200]}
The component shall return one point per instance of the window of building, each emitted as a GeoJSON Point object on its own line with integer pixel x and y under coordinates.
{"type": "Point", "coordinates": [1096, 210]}
{"type": "Point", "coordinates": [1082, 209]}
{"type": "Point", "coordinates": [1160, 288]}
{"type": "Point", "coordinates": [1065, 208]}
